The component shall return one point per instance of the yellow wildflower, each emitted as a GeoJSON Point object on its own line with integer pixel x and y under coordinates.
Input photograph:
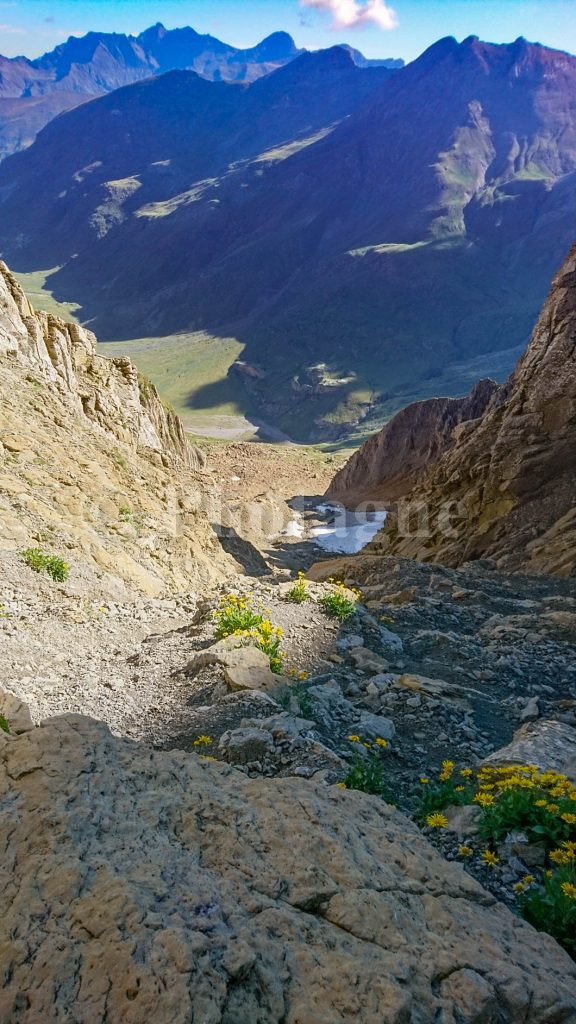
{"type": "Point", "coordinates": [519, 887]}
{"type": "Point", "coordinates": [437, 820]}
{"type": "Point", "coordinates": [424, 780]}
{"type": "Point", "coordinates": [354, 739]}
{"type": "Point", "coordinates": [341, 785]}
{"type": "Point", "coordinates": [459, 789]}
{"type": "Point", "coordinates": [569, 890]}
{"type": "Point", "coordinates": [552, 808]}
{"type": "Point", "coordinates": [484, 799]}
{"type": "Point", "coordinates": [201, 741]}
{"type": "Point", "coordinates": [560, 856]}
{"type": "Point", "coordinates": [381, 742]}
{"type": "Point", "coordinates": [490, 859]}
{"type": "Point", "coordinates": [528, 879]}
{"type": "Point", "coordinates": [570, 819]}
{"type": "Point", "coordinates": [465, 851]}
{"type": "Point", "coordinates": [540, 803]}
{"type": "Point", "coordinates": [466, 773]}
{"type": "Point", "coordinates": [302, 676]}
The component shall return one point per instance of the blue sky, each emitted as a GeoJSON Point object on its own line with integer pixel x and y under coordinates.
{"type": "Point", "coordinates": [34, 26]}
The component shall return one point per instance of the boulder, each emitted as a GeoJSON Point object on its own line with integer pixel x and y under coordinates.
{"type": "Point", "coordinates": [140, 886]}
{"type": "Point", "coordinates": [548, 744]}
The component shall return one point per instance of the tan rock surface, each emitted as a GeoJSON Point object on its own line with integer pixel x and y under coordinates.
{"type": "Point", "coordinates": [92, 465]}
{"type": "Point", "coordinates": [140, 887]}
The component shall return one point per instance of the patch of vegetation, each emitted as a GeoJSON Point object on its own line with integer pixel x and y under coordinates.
{"type": "Point", "coordinates": [236, 616]}
{"type": "Point", "coordinates": [341, 601]}
{"type": "Point", "coordinates": [119, 459]}
{"type": "Point", "coordinates": [125, 514]}
{"type": "Point", "coordinates": [518, 798]}
{"type": "Point", "coordinates": [4, 724]}
{"type": "Point", "coordinates": [299, 592]}
{"type": "Point", "coordinates": [551, 906]}
{"type": "Point", "coordinates": [367, 771]}
{"type": "Point", "coordinates": [41, 561]}
{"type": "Point", "coordinates": [451, 790]}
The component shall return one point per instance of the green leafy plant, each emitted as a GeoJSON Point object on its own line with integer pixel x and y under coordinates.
{"type": "Point", "coordinates": [367, 771]}
{"type": "Point", "coordinates": [41, 561]}
{"type": "Point", "coordinates": [551, 905]}
{"type": "Point", "coordinates": [4, 724]}
{"type": "Point", "coordinates": [125, 514]}
{"type": "Point", "coordinates": [519, 798]}
{"type": "Point", "coordinates": [299, 592]}
{"type": "Point", "coordinates": [236, 616]}
{"type": "Point", "coordinates": [341, 602]}
{"type": "Point", "coordinates": [449, 790]}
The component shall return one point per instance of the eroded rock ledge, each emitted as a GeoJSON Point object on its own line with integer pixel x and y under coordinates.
{"type": "Point", "coordinates": [140, 886]}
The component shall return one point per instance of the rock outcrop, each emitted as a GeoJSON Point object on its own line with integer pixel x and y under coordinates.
{"type": "Point", "coordinates": [141, 886]}
{"type": "Point", "coordinates": [506, 488]}
{"type": "Point", "coordinates": [391, 462]}
{"type": "Point", "coordinates": [91, 460]}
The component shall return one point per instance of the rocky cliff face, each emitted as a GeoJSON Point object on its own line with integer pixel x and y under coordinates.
{"type": "Point", "coordinates": [144, 886]}
{"type": "Point", "coordinates": [507, 487]}
{"type": "Point", "coordinates": [391, 462]}
{"type": "Point", "coordinates": [90, 459]}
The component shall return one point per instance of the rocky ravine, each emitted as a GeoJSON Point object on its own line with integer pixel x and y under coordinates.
{"type": "Point", "coordinates": [508, 477]}
{"type": "Point", "coordinates": [142, 882]}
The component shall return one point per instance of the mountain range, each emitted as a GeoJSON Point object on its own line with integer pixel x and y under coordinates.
{"type": "Point", "coordinates": [32, 92]}
{"type": "Point", "coordinates": [360, 230]}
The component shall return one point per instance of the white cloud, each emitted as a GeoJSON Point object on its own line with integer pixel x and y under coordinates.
{"type": "Point", "coordinates": [12, 30]}
{"type": "Point", "coordinates": [355, 13]}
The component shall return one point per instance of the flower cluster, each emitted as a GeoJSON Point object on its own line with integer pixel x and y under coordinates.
{"type": "Point", "coordinates": [517, 798]}
{"type": "Point", "coordinates": [341, 601]}
{"type": "Point", "coordinates": [236, 616]}
{"type": "Point", "coordinates": [367, 769]}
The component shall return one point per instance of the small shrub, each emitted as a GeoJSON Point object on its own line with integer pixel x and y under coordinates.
{"type": "Point", "coordinates": [341, 602]}
{"type": "Point", "coordinates": [551, 905]}
{"type": "Point", "coordinates": [234, 615]}
{"type": "Point", "coordinates": [40, 561]}
{"type": "Point", "coordinates": [451, 789]}
{"type": "Point", "coordinates": [367, 772]}
{"type": "Point", "coordinates": [519, 798]}
{"type": "Point", "coordinates": [119, 459]}
{"type": "Point", "coordinates": [125, 514]}
{"type": "Point", "coordinates": [299, 592]}
{"type": "Point", "coordinates": [4, 724]}
{"type": "Point", "coordinates": [237, 617]}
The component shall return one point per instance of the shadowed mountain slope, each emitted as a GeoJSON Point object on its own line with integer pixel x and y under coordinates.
{"type": "Point", "coordinates": [420, 231]}
{"type": "Point", "coordinates": [99, 62]}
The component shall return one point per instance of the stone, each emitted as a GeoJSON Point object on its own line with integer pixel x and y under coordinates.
{"type": "Point", "coordinates": [548, 744]}
{"type": "Point", "coordinates": [16, 713]}
{"type": "Point", "coordinates": [373, 726]}
{"type": "Point", "coordinates": [368, 660]}
{"type": "Point", "coordinates": [240, 746]}
{"type": "Point", "coordinates": [146, 886]}
{"type": "Point", "coordinates": [531, 711]}
{"type": "Point", "coordinates": [463, 820]}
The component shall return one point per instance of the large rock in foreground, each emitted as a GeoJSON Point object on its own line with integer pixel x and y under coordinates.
{"type": "Point", "coordinates": [142, 887]}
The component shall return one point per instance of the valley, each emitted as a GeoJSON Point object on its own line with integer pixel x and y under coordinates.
{"type": "Point", "coordinates": [287, 531]}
